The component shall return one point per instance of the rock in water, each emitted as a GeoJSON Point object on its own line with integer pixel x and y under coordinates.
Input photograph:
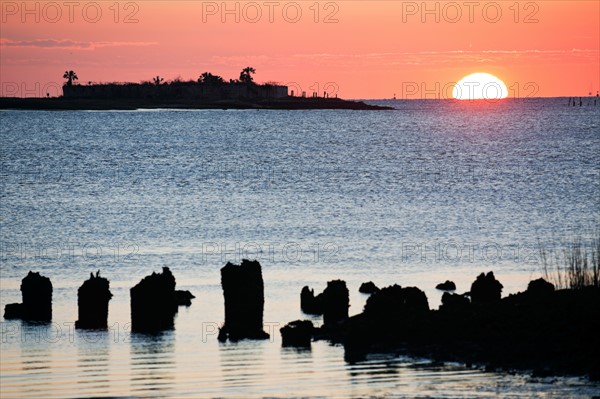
{"type": "Point", "coordinates": [447, 286]}
{"type": "Point", "coordinates": [454, 302]}
{"type": "Point", "coordinates": [297, 333]}
{"type": "Point", "coordinates": [540, 288]}
{"type": "Point", "coordinates": [309, 303]}
{"type": "Point", "coordinates": [393, 301]}
{"type": "Point", "coordinates": [368, 288]}
{"type": "Point", "coordinates": [36, 291]}
{"type": "Point", "coordinates": [332, 303]}
{"type": "Point", "coordinates": [92, 300]}
{"type": "Point", "coordinates": [154, 303]}
{"type": "Point", "coordinates": [243, 290]}
{"type": "Point", "coordinates": [184, 298]}
{"type": "Point", "coordinates": [486, 289]}
{"type": "Point", "coordinates": [13, 311]}
{"type": "Point", "coordinates": [335, 302]}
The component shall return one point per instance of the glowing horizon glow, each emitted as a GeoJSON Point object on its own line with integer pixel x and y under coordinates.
{"type": "Point", "coordinates": [480, 86]}
{"type": "Point", "coordinates": [550, 52]}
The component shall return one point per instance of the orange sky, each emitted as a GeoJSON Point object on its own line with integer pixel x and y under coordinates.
{"type": "Point", "coordinates": [367, 49]}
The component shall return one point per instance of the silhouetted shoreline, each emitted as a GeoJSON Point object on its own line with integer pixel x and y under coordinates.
{"type": "Point", "coordinates": [289, 103]}
{"type": "Point", "coordinates": [543, 330]}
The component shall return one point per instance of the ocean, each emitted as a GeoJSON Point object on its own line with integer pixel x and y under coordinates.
{"type": "Point", "coordinates": [435, 190]}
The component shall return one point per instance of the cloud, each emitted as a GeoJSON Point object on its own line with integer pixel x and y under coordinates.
{"type": "Point", "coordinates": [66, 44]}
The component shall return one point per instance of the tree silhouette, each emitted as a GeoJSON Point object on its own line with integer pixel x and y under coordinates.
{"type": "Point", "coordinates": [157, 80]}
{"type": "Point", "coordinates": [210, 79]}
{"type": "Point", "coordinates": [70, 76]}
{"type": "Point", "coordinates": [246, 75]}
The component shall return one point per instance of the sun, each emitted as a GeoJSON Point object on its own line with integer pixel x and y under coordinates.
{"type": "Point", "coordinates": [480, 86]}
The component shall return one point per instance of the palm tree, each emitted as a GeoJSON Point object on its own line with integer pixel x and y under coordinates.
{"type": "Point", "coordinates": [246, 75]}
{"type": "Point", "coordinates": [209, 78]}
{"type": "Point", "coordinates": [70, 76]}
{"type": "Point", "coordinates": [157, 80]}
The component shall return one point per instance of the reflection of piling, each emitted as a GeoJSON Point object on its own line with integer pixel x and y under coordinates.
{"type": "Point", "coordinates": [92, 301]}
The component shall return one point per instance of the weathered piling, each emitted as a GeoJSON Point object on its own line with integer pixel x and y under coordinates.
{"type": "Point", "coordinates": [243, 291]}
{"type": "Point", "coordinates": [486, 289]}
{"type": "Point", "coordinates": [297, 333]}
{"type": "Point", "coordinates": [92, 302]}
{"type": "Point", "coordinates": [335, 302]}
{"type": "Point", "coordinates": [154, 303]}
{"type": "Point", "coordinates": [36, 291]}
{"type": "Point", "coordinates": [309, 303]}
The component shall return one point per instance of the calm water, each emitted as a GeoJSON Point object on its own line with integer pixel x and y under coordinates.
{"type": "Point", "coordinates": [432, 191]}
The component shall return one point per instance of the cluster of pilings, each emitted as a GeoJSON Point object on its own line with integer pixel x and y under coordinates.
{"type": "Point", "coordinates": [574, 102]}
{"type": "Point", "coordinates": [154, 302]}
{"type": "Point", "coordinates": [411, 302]}
{"type": "Point", "coordinates": [475, 326]}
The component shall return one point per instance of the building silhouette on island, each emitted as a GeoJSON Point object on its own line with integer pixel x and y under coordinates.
{"type": "Point", "coordinates": [207, 88]}
{"type": "Point", "coordinates": [176, 91]}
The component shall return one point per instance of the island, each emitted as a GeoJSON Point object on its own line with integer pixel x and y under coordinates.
{"type": "Point", "coordinates": [207, 92]}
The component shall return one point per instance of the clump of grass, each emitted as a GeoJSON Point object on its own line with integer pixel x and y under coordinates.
{"type": "Point", "coordinates": [576, 266]}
